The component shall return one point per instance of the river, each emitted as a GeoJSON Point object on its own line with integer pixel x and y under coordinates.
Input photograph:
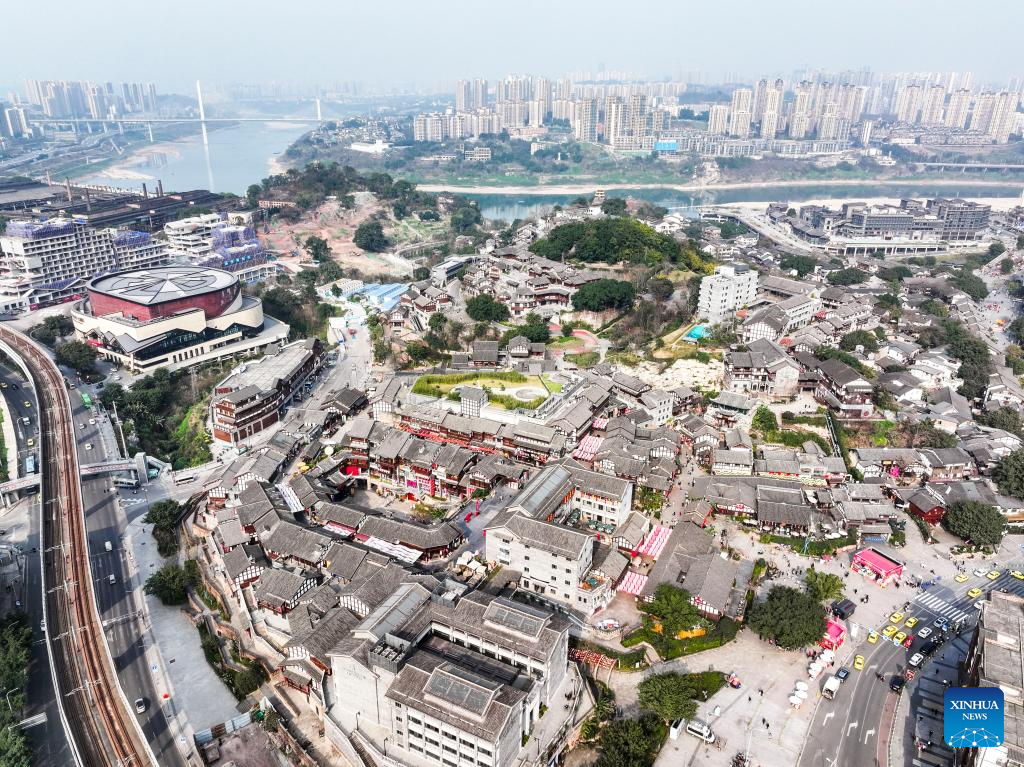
{"type": "Point", "coordinates": [510, 206]}
{"type": "Point", "coordinates": [239, 155]}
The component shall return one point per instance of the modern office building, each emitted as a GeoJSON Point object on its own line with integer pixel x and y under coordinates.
{"type": "Point", "coordinates": [251, 398]}
{"type": "Point", "coordinates": [172, 317]}
{"type": "Point", "coordinates": [48, 262]}
{"type": "Point", "coordinates": [961, 219]}
{"type": "Point", "coordinates": [731, 287]}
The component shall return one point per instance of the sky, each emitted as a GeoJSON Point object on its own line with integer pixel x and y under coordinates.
{"type": "Point", "coordinates": [429, 44]}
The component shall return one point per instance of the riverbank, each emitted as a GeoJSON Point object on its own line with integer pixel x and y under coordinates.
{"type": "Point", "coordinates": [569, 189]}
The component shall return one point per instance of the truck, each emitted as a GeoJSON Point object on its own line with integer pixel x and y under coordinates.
{"type": "Point", "coordinates": [831, 687]}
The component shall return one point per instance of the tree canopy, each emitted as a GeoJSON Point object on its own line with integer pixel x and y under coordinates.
{"type": "Point", "coordinates": [1005, 418]}
{"type": "Point", "coordinates": [661, 288]}
{"type": "Point", "coordinates": [77, 355]}
{"type": "Point", "coordinates": [370, 236]}
{"type": "Point", "coordinates": [317, 248]}
{"type": "Point", "coordinates": [823, 587]}
{"type": "Point", "coordinates": [996, 249]}
{"type": "Point", "coordinates": [611, 240]}
{"type": "Point", "coordinates": [865, 338]}
{"type": "Point", "coordinates": [789, 618]}
{"type": "Point", "coordinates": [163, 515]}
{"type": "Point", "coordinates": [170, 584]}
{"type": "Point", "coordinates": [849, 276]}
{"type": "Point", "coordinates": [802, 265]}
{"type": "Point", "coordinates": [631, 742]}
{"type": "Point", "coordinates": [764, 420]}
{"type": "Point", "coordinates": [485, 308]}
{"type": "Point", "coordinates": [670, 696]}
{"type": "Point", "coordinates": [614, 206]}
{"type": "Point", "coordinates": [51, 328]}
{"type": "Point", "coordinates": [976, 522]}
{"type": "Point", "coordinates": [604, 294]}
{"type": "Point", "coordinates": [672, 606]}
{"type": "Point", "coordinates": [1009, 474]}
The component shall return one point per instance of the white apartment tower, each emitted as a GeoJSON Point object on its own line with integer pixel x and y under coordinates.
{"type": "Point", "coordinates": [718, 120]}
{"type": "Point", "coordinates": [770, 107]}
{"type": "Point", "coordinates": [741, 112]}
{"type": "Point", "coordinates": [731, 287]}
{"type": "Point", "coordinates": [463, 96]}
{"type": "Point", "coordinates": [479, 93]}
{"type": "Point", "coordinates": [908, 104]}
{"type": "Point", "coordinates": [934, 101]}
{"type": "Point", "coordinates": [956, 112]}
{"type": "Point", "coordinates": [584, 125]}
{"type": "Point", "coordinates": [828, 127]}
{"type": "Point", "coordinates": [799, 119]}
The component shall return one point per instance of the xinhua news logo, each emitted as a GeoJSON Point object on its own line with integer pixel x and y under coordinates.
{"type": "Point", "coordinates": [973, 717]}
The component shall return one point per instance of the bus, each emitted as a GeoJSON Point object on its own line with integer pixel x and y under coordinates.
{"type": "Point", "coordinates": [87, 400]}
{"type": "Point", "coordinates": [30, 465]}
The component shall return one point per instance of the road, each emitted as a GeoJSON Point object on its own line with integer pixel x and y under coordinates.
{"type": "Point", "coordinates": [118, 603]}
{"type": "Point", "coordinates": [49, 741]}
{"type": "Point", "coordinates": [848, 730]}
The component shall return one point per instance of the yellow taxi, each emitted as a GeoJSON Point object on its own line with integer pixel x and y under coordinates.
{"type": "Point", "coordinates": [911, 622]}
{"type": "Point", "coordinates": [30, 442]}
{"type": "Point", "coordinates": [961, 577]}
{"type": "Point", "coordinates": [993, 575]}
{"type": "Point", "coordinates": [899, 637]}
{"type": "Point", "coordinates": [26, 403]}
{"type": "Point", "coordinates": [974, 593]}
{"type": "Point", "coordinates": [858, 663]}
{"type": "Point", "coordinates": [896, 617]}
{"type": "Point", "coordinates": [888, 631]}
{"type": "Point", "coordinates": [1017, 574]}
{"type": "Point", "coordinates": [872, 637]}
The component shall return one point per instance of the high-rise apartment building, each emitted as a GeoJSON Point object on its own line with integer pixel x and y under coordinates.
{"type": "Point", "coordinates": [956, 112]}
{"type": "Point", "coordinates": [584, 125]}
{"type": "Point", "coordinates": [731, 287]}
{"type": "Point", "coordinates": [828, 125]}
{"type": "Point", "coordinates": [463, 96]}
{"type": "Point", "coordinates": [740, 114]}
{"type": "Point", "coordinates": [908, 104]}
{"type": "Point", "coordinates": [1003, 111]}
{"type": "Point", "coordinates": [771, 105]}
{"type": "Point", "coordinates": [932, 105]}
{"type": "Point", "coordinates": [615, 120]}
{"type": "Point", "coordinates": [718, 120]}
{"type": "Point", "coordinates": [46, 262]}
{"type": "Point", "coordinates": [479, 93]}
{"type": "Point", "coordinates": [799, 117]}
{"type": "Point", "coordinates": [15, 123]}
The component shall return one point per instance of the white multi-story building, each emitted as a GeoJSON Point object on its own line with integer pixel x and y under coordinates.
{"type": "Point", "coordinates": [740, 112]}
{"type": "Point", "coordinates": [718, 120]}
{"type": "Point", "coordinates": [731, 287]}
{"type": "Point", "coordinates": [47, 262]}
{"type": "Point", "coordinates": [191, 237]}
{"type": "Point", "coordinates": [956, 112]}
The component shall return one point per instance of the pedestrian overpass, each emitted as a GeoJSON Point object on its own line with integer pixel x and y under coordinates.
{"type": "Point", "coordinates": [135, 468]}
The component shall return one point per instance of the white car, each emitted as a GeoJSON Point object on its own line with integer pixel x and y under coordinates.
{"type": "Point", "coordinates": [88, 445]}
{"type": "Point", "coordinates": [92, 421]}
{"type": "Point", "coordinates": [915, 660]}
{"type": "Point", "coordinates": [925, 632]}
{"type": "Point", "coordinates": [980, 572]}
{"type": "Point", "coordinates": [81, 426]}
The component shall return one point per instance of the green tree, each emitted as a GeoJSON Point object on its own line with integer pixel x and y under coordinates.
{"type": "Point", "coordinates": [894, 273]}
{"type": "Point", "coordinates": [674, 608]}
{"type": "Point", "coordinates": [790, 618]}
{"type": "Point", "coordinates": [802, 265]}
{"type": "Point", "coordinates": [1005, 418]}
{"type": "Point", "coordinates": [79, 356]}
{"type": "Point", "coordinates": [534, 328]}
{"type": "Point", "coordinates": [631, 742]}
{"type": "Point", "coordinates": [970, 283]}
{"type": "Point", "coordinates": [51, 329]}
{"type": "Point", "coordinates": [661, 289]}
{"type": "Point", "coordinates": [1009, 474]}
{"type": "Point", "coordinates": [614, 206]}
{"type": "Point", "coordinates": [852, 340]}
{"type": "Point", "coordinates": [935, 308]}
{"type": "Point", "coordinates": [1020, 242]}
{"type": "Point", "coordinates": [485, 308]}
{"type": "Point", "coordinates": [996, 249]}
{"type": "Point", "coordinates": [1006, 266]}
{"type": "Point", "coordinates": [977, 522]}
{"type": "Point", "coordinates": [764, 420]}
{"type": "Point", "coordinates": [437, 322]}
{"type": "Point", "coordinates": [169, 584]}
{"type": "Point", "coordinates": [317, 248]}
{"type": "Point", "coordinates": [604, 294]}
{"type": "Point", "coordinates": [252, 195]}
{"type": "Point", "coordinates": [420, 273]}
{"type": "Point", "coordinates": [370, 236]}
{"type": "Point", "coordinates": [849, 276]}
{"type": "Point", "coordinates": [163, 515]}
{"type": "Point", "coordinates": [823, 587]}
{"type": "Point", "coordinates": [670, 696]}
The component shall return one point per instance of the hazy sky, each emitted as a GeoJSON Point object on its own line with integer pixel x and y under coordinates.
{"type": "Point", "coordinates": [431, 43]}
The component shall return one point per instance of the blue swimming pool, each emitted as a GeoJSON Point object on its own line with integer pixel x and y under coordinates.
{"type": "Point", "coordinates": [697, 332]}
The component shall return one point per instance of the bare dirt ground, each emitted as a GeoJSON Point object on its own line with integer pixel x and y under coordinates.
{"type": "Point", "coordinates": [337, 225]}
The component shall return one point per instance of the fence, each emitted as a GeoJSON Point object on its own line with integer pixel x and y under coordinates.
{"type": "Point", "coordinates": [222, 729]}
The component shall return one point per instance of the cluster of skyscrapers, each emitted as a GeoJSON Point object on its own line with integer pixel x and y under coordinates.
{"type": "Point", "coordinates": [88, 100]}
{"type": "Point", "coordinates": [830, 109]}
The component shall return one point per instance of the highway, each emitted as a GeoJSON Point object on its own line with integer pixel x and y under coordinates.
{"type": "Point", "coordinates": [102, 730]}
{"type": "Point", "coordinates": [106, 521]}
{"type": "Point", "coordinates": [853, 729]}
{"type": "Point", "coordinates": [49, 741]}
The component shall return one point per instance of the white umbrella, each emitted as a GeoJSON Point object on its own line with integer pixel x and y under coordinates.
{"type": "Point", "coordinates": [800, 694]}
{"type": "Point", "coordinates": [795, 701]}
{"type": "Point", "coordinates": [801, 685]}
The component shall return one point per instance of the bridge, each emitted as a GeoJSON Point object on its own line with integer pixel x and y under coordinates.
{"type": "Point", "coordinates": [966, 166]}
{"type": "Point", "coordinates": [203, 120]}
{"type": "Point", "coordinates": [9, 490]}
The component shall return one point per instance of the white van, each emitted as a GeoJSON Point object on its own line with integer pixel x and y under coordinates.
{"type": "Point", "coordinates": [112, 579]}
{"type": "Point", "coordinates": [676, 728]}
{"type": "Point", "coordinates": [108, 546]}
{"type": "Point", "coordinates": [702, 730]}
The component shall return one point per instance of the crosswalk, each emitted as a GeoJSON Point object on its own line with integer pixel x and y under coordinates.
{"type": "Point", "coordinates": [941, 607]}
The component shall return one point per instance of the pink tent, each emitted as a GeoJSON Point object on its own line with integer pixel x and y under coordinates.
{"type": "Point", "coordinates": [835, 635]}
{"type": "Point", "coordinates": [633, 583]}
